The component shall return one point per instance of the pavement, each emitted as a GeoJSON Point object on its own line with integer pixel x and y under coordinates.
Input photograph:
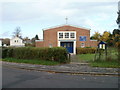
{"type": "Point", "coordinates": [71, 68]}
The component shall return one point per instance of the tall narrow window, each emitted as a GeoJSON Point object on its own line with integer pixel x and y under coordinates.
{"type": "Point", "coordinates": [60, 35]}
{"type": "Point", "coordinates": [66, 35]}
{"type": "Point", "coordinates": [72, 35]}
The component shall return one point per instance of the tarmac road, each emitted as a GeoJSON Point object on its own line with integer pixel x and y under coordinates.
{"type": "Point", "coordinates": [19, 78]}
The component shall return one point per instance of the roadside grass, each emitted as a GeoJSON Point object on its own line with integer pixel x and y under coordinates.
{"type": "Point", "coordinates": [39, 62]}
{"type": "Point", "coordinates": [111, 62]}
{"type": "Point", "coordinates": [107, 64]}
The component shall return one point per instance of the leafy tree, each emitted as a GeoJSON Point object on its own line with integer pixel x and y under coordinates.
{"type": "Point", "coordinates": [118, 19]}
{"type": "Point", "coordinates": [116, 32]}
{"type": "Point", "coordinates": [26, 38]}
{"type": "Point", "coordinates": [105, 37]}
{"type": "Point", "coordinates": [96, 36]}
{"type": "Point", "coordinates": [6, 41]}
{"type": "Point", "coordinates": [33, 41]}
{"type": "Point", "coordinates": [116, 37]}
{"type": "Point", "coordinates": [36, 37]}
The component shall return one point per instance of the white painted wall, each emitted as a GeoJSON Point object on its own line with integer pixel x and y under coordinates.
{"type": "Point", "coordinates": [0, 43]}
{"type": "Point", "coordinates": [16, 42]}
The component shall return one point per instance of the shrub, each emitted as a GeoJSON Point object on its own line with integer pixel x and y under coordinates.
{"type": "Point", "coordinates": [7, 52]}
{"type": "Point", "coordinates": [4, 52]}
{"type": "Point", "coordinates": [85, 50]}
{"type": "Point", "coordinates": [10, 52]}
{"type": "Point", "coordinates": [58, 54]}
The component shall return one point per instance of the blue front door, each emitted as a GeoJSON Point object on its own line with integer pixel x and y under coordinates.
{"type": "Point", "coordinates": [68, 46]}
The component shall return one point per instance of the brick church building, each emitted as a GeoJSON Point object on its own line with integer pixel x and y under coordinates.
{"type": "Point", "coordinates": [67, 36]}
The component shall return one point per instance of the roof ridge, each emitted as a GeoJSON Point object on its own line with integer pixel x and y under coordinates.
{"type": "Point", "coordinates": [66, 25]}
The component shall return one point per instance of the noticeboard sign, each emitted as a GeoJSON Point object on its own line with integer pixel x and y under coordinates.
{"type": "Point", "coordinates": [82, 38]}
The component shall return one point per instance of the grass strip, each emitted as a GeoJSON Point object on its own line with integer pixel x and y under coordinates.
{"type": "Point", "coordinates": [107, 64]}
{"type": "Point", "coordinates": [100, 63]}
{"type": "Point", "coordinates": [31, 61]}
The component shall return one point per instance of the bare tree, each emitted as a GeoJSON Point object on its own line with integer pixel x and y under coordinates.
{"type": "Point", "coordinates": [17, 32]}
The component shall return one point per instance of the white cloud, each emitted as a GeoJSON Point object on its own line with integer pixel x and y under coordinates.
{"type": "Point", "coordinates": [43, 13]}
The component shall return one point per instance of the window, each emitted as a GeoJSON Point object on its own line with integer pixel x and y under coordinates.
{"type": "Point", "coordinates": [72, 35]}
{"type": "Point", "coordinates": [60, 35]}
{"type": "Point", "coordinates": [66, 35]}
{"type": "Point", "coordinates": [82, 45]}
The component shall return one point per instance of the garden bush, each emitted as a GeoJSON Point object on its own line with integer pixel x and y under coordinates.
{"type": "Point", "coordinates": [4, 52]}
{"type": "Point", "coordinates": [58, 54]}
{"type": "Point", "coordinates": [85, 50]}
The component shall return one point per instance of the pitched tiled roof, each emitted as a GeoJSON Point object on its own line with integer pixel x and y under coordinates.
{"type": "Point", "coordinates": [66, 25]}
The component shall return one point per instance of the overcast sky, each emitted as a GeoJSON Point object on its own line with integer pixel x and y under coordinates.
{"type": "Point", "coordinates": [34, 15]}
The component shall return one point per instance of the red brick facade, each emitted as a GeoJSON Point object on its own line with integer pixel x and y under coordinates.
{"type": "Point", "coordinates": [50, 36]}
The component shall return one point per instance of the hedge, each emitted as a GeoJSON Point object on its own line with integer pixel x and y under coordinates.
{"type": "Point", "coordinates": [53, 54]}
{"type": "Point", "coordinates": [85, 50]}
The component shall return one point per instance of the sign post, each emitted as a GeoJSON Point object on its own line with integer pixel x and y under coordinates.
{"type": "Point", "coordinates": [101, 50]}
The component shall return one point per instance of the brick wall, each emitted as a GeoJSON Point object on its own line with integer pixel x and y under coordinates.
{"type": "Point", "coordinates": [50, 36]}
{"type": "Point", "coordinates": [93, 43]}
{"type": "Point", "coordinates": [39, 44]}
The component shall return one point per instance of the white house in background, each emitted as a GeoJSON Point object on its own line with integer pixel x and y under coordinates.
{"type": "Point", "coordinates": [16, 41]}
{"type": "Point", "coordinates": [0, 42]}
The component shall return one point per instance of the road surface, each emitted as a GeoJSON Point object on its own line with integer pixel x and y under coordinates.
{"type": "Point", "coordinates": [20, 78]}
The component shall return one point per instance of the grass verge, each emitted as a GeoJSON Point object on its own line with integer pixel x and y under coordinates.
{"type": "Point", "coordinates": [40, 62]}
{"type": "Point", "coordinates": [106, 64]}
{"type": "Point", "coordinates": [99, 63]}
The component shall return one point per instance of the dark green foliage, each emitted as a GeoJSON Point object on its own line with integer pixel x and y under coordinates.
{"type": "Point", "coordinates": [36, 37]}
{"type": "Point", "coordinates": [58, 54]}
{"type": "Point", "coordinates": [85, 50]}
{"type": "Point", "coordinates": [116, 31]}
{"type": "Point", "coordinates": [4, 52]}
{"type": "Point", "coordinates": [7, 52]}
{"type": "Point", "coordinates": [10, 52]}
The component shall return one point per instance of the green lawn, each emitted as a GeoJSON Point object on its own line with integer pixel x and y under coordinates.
{"type": "Point", "coordinates": [40, 62]}
{"type": "Point", "coordinates": [112, 61]}
{"type": "Point", "coordinates": [86, 57]}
